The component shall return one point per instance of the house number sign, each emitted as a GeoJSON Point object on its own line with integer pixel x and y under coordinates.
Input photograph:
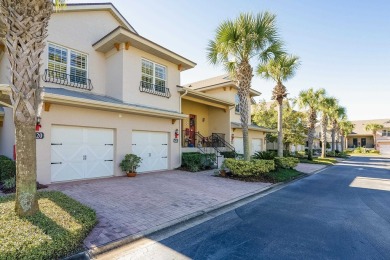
{"type": "Point", "coordinates": [39, 135]}
{"type": "Point", "coordinates": [176, 140]}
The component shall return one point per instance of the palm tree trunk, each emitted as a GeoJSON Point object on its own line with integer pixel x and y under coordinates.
{"type": "Point", "coordinates": [324, 124]}
{"type": "Point", "coordinates": [311, 133]}
{"type": "Point", "coordinates": [244, 78]}
{"type": "Point", "coordinates": [342, 143]}
{"type": "Point", "coordinates": [280, 127]}
{"type": "Point", "coordinates": [333, 135]}
{"type": "Point", "coordinates": [25, 32]}
{"type": "Point", "coordinates": [374, 133]}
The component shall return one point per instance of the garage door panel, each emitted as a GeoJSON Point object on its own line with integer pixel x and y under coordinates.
{"type": "Point", "coordinates": [81, 153]}
{"type": "Point", "coordinates": [152, 147]}
{"type": "Point", "coordinates": [256, 145]}
{"type": "Point", "coordinates": [239, 145]}
{"type": "Point", "coordinates": [384, 149]}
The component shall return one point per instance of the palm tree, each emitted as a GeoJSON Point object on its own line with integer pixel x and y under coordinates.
{"type": "Point", "coordinates": [235, 44]}
{"type": "Point", "coordinates": [280, 69]}
{"type": "Point", "coordinates": [25, 30]}
{"type": "Point", "coordinates": [336, 114]}
{"type": "Point", "coordinates": [325, 107]}
{"type": "Point", "coordinates": [346, 127]}
{"type": "Point", "coordinates": [373, 127]}
{"type": "Point", "coordinates": [310, 100]}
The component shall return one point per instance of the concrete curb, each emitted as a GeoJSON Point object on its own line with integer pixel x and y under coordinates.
{"type": "Point", "coordinates": [91, 253]}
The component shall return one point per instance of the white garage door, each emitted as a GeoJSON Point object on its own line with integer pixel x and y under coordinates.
{"type": "Point", "coordinates": [81, 153]}
{"type": "Point", "coordinates": [384, 149]}
{"type": "Point", "coordinates": [256, 145]}
{"type": "Point", "coordinates": [238, 144]}
{"type": "Point", "coordinates": [152, 147]}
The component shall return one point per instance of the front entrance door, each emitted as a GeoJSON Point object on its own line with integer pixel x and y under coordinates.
{"type": "Point", "coordinates": [364, 142]}
{"type": "Point", "coordinates": [355, 142]}
{"type": "Point", "coordinates": [191, 138]}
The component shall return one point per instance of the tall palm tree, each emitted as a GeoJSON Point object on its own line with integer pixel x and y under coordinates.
{"type": "Point", "coordinates": [325, 107]}
{"type": "Point", "coordinates": [346, 127]}
{"type": "Point", "coordinates": [280, 69]}
{"type": "Point", "coordinates": [236, 43]}
{"type": "Point", "coordinates": [336, 114]}
{"type": "Point", "coordinates": [25, 29]}
{"type": "Point", "coordinates": [373, 127]}
{"type": "Point", "coordinates": [310, 100]}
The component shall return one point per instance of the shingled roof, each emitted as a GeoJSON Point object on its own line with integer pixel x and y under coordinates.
{"type": "Point", "coordinates": [360, 125]}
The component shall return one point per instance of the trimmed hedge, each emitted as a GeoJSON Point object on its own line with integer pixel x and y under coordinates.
{"type": "Point", "coordinates": [286, 162]}
{"type": "Point", "coordinates": [56, 231]}
{"type": "Point", "coordinates": [249, 168]}
{"type": "Point", "coordinates": [7, 168]}
{"type": "Point", "coordinates": [194, 162]}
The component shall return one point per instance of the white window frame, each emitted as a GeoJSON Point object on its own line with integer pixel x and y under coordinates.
{"type": "Point", "coordinates": [237, 104]}
{"type": "Point", "coordinates": [155, 87]}
{"type": "Point", "coordinates": [68, 58]}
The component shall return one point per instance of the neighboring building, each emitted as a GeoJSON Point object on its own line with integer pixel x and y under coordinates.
{"type": "Point", "coordinates": [202, 119]}
{"type": "Point", "coordinates": [107, 91]}
{"type": "Point", "coordinates": [362, 138]}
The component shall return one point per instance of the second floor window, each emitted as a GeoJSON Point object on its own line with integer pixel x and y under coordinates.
{"type": "Point", "coordinates": [385, 132]}
{"type": "Point", "coordinates": [237, 104]}
{"type": "Point", "coordinates": [154, 76]}
{"type": "Point", "coordinates": [63, 62]}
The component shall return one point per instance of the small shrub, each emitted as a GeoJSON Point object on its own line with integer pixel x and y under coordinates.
{"type": "Point", "coordinates": [230, 154]}
{"type": "Point", "coordinates": [197, 161]}
{"type": "Point", "coordinates": [9, 184]}
{"type": "Point", "coordinates": [249, 168]}
{"type": "Point", "coordinates": [7, 169]}
{"type": "Point", "coordinates": [130, 163]}
{"type": "Point", "coordinates": [374, 151]}
{"type": "Point", "coordinates": [3, 157]}
{"type": "Point", "coordinates": [286, 162]}
{"type": "Point", "coordinates": [265, 155]}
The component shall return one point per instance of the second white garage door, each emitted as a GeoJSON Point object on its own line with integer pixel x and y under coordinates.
{"type": "Point", "coordinates": [152, 147]}
{"type": "Point", "coordinates": [238, 143]}
{"type": "Point", "coordinates": [256, 145]}
{"type": "Point", "coordinates": [81, 153]}
{"type": "Point", "coordinates": [384, 149]}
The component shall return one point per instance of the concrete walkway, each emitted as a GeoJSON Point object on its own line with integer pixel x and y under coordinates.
{"type": "Point", "coordinates": [127, 206]}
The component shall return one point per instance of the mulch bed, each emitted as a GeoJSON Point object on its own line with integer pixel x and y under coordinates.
{"type": "Point", "coordinates": [13, 190]}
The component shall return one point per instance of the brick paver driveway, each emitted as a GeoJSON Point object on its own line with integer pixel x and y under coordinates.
{"type": "Point", "coordinates": [126, 206]}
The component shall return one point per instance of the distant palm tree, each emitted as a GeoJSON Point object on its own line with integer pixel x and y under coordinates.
{"type": "Point", "coordinates": [25, 29]}
{"type": "Point", "coordinates": [346, 127]}
{"type": "Point", "coordinates": [310, 99]}
{"type": "Point", "coordinates": [236, 43]}
{"type": "Point", "coordinates": [336, 114]}
{"type": "Point", "coordinates": [280, 69]}
{"type": "Point", "coordinates": [325, 108]}
{"type": "Point", "coordinates": [374, 128]}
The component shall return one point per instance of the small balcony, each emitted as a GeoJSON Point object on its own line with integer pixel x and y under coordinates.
{"type": "Point", "coordinates": [154, 89]}
{"type": "Point", "coordinates": [61, 78]}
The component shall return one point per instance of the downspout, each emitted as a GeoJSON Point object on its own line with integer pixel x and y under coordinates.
{"type": "Point", "coordinates": [180, 125]}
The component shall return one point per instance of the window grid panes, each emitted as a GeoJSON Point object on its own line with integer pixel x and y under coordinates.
{"type": "Point", "coordinates": [62, 61]}
{"type": "Point", "coordinates": [385, 132]}
{"type": "Point", "coordinates": [153, 76]}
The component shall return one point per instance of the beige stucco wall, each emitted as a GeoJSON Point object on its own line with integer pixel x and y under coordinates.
{"type": "Point", "coordinates": [216, 120]}
{"type": "Point", "coordinates": [78, 31]}
{"type": "Point", "coordinates": [7, 134]}
{"type": "Point", "coordinates": [122, 124]}
{"type": "Point", "coordinates": [229, 94]}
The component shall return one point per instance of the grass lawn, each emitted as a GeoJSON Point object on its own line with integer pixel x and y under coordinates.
{"type": "Point", "coordinates": [327, 161]}
{"type": "Point", "coordinates": [56, 231]}
{"type": "Point", "coordinates": [282, 175]}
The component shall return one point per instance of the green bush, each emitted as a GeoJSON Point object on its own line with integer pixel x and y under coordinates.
{"type": "Point", "coordinates": [374, 151]}
{"type": "Point", "coordinates": [9, 183]}
{"type": "Point", "coordinates": [197, 161]}
{"type": "Point", "coordinates": [230, 154]}
{"type": "Point", "coordinates": [130, 163]}
{"type": "Point", "coordinates": [286, 162]}
{"type": "Point", "coordinates": [7, 169]}
{"type": "Point", "coordinates": [54, 232]}
{"type": "Point", "coordinates": [249, 168]}
{"type": "Point", "coordinates": [3, 157]}
{"type": "Point", "coordinates": [265, 155]}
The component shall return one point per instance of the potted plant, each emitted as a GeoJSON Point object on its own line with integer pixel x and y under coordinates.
{"type": "Point", "coordinates": [130, 164]}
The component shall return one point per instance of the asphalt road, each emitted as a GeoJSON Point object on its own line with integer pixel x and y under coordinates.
{"type": "Point", "coordinates": [340, 213]}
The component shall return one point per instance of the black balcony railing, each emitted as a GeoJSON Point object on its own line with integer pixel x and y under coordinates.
{"type": "Point", "coordinates": [67, 79]}
{"type": "Point", "coordinates": [154, 89]}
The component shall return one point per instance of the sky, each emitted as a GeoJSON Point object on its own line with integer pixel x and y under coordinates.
{"type": "Point", "coordinates": [344, 46]}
